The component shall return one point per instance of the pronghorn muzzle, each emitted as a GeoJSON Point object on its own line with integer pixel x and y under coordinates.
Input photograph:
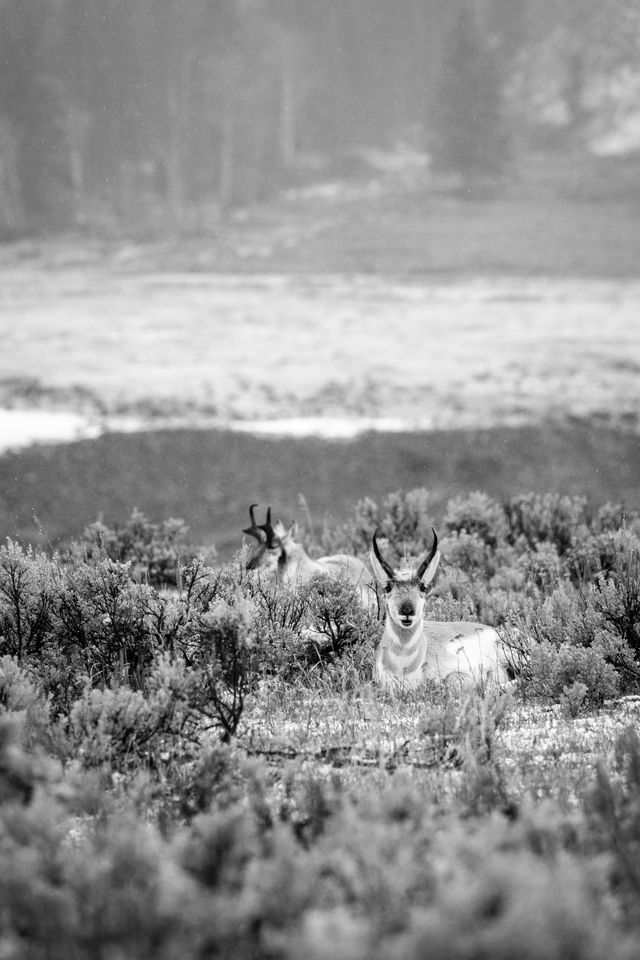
{"type": "Point", "coordinates": [407, 612]}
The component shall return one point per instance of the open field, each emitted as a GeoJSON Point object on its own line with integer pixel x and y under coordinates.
{"type": "Point", "coordinates": [473, 353]}
{"type": "Point", "coordinates": [371, 299]}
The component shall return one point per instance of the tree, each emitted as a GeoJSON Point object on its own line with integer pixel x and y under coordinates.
{"type": "Point", "coordinates": [34, 176]}
{"type": "Point", "coordinates": [469, 135]}
{"type": "Point", "coordinates": [578, 74]}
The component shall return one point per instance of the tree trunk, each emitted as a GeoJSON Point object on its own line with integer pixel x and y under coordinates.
{"type": "Point", "coordinates": [78, 122]}
{"type": "Point", "coordinates": [287, 113]}
{"type": "Point", "coordinates": [226, 180]}
{"type": "Point", "coordinates": [12, 216]}
{"type": "Point", "coordinates": [173, 168]}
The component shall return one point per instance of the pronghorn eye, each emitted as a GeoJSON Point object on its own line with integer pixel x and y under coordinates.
{"type": "Point", "coordinates": [388, 586]}
{"type": "Point", "coordinates": [422, 587]}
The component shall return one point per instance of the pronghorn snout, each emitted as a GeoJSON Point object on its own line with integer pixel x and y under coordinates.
{"type": "Point", "coordinates": [406, 612]}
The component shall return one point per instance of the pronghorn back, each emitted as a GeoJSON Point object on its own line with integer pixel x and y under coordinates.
{"type": "Point", "coordinates": [462, 648]}
{"type": "Point", "coordinates": [280, 553]}
{"type": "Point", "coordinates": [356, 572]}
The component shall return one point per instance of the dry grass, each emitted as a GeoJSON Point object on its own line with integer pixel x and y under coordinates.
{"type": "Point", "coordinates": [537, 750]}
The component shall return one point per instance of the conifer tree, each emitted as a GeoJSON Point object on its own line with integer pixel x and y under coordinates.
{"type": "Point", "coordinates": [468, 134]}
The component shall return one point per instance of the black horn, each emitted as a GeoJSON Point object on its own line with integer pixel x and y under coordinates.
{"type": "Point", "coordinates": [388, 569]}
{"type": "Point", "coordinates": [254, 530]}
{"type": "Point", "coordinates": [429, 557]}
{"type": "Point", "coordinates": [272, 538]}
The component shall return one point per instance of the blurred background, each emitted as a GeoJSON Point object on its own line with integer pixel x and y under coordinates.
{"type": "Point", "coordinates": [164, 112]}
{"type": "Point", "coordinates": [402, 239]}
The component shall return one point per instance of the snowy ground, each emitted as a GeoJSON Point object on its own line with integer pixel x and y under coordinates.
{"type": "Point", "coordinates": [20, 428]}
{"type": "Point", "coordinates": [326, 354]}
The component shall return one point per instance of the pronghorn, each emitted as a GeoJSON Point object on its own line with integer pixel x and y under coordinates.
{"type": "Point", "coordinates": [412, 648]}
{"type": "Point", "coordinates": [280, 554]}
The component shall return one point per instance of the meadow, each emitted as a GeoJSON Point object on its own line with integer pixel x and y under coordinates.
{"type": "Point", "coordinates": [184, 772]}
{"type": "Point", "coordinates": [188, 773]}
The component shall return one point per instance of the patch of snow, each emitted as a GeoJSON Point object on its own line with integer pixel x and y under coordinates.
{"type": "Point", "coordinates": [404, 158]}
{"type": "Point", "coordinates": [330, 428]}
{"type": "Point", "coordinates": [331, 355]}
{"type": "Point", "coordinates": [336, 191]}
{"type": "Point", "coordinates": [21, 428]}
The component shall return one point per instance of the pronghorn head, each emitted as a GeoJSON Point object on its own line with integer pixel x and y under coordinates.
{"type": "Point", "coordinates": [267, 553]}
{"type": "Point", "coordinates": [405, 588]}
{"type": "Point", "coordinates": [285, 559]}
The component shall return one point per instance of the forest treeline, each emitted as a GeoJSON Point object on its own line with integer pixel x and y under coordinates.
{"type": "Point", "coordinates": [115, 113]}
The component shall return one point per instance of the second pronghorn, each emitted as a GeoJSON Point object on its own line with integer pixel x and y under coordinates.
{"type": "Point", "coordinates": [413, 649]}
{"type": "Point", "coordinates": [279, 553]}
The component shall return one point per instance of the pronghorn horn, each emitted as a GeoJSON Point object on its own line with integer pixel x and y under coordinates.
{"type": "Point", "coordinates": [429, 557]}
{"type": "Point", "coordinates": [388, 569]}
{"type": "Point", "coordinates": [272, 539]}
{"type": "Point", "coordinates": [254, 529]}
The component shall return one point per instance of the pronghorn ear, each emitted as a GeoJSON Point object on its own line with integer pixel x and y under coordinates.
{"type": "Point", "coordinates": [378, 572]}
{"type": "Point", "coordinates": [430, 570]}
{"type": "Point", "coordinates": [381, 569]}
{"type": "Point", "coordinates": [426, 569]}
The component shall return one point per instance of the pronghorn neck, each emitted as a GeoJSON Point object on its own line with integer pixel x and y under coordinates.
{"type": "Point", "coordinates": [401, 653]}
{"type": "Point", "coordinates": [402, 640]}
{"type": "Point", "coordinates": [294, 563]}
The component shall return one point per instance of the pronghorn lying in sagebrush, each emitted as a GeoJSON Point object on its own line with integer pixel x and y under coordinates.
{"type": "Point", "coordinates": [280, 554]}
{"type": "Point", "coordinates": [412, 648]}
